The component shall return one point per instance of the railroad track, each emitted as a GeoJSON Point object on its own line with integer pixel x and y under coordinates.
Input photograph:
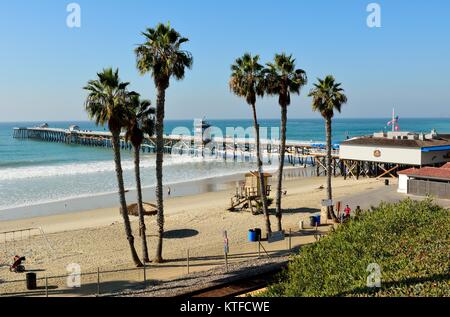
{"type": "Point", "coordinates": [239, 285]}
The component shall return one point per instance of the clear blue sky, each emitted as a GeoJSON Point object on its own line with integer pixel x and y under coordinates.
{"type": "Point", "coordinates": [44, 64]}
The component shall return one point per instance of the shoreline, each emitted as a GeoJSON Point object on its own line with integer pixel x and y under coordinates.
{"type": "Point", "coordinates": [110, 200]}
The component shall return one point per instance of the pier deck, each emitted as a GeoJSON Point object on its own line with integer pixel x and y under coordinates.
{"type": "Point", "coordinates": [297, 152]}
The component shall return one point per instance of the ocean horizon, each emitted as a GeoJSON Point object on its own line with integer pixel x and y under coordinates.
{"type": "Point", "coordinates": [49, 172]}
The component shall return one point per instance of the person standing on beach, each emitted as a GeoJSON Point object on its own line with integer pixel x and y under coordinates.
{"type": "Point", "coordinates": [358, 212]}
{"type": "Point", "coordinates": [347, 211]}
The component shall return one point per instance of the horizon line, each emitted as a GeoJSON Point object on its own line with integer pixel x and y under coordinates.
{"type": "Point", "coordinates": [238, 119]}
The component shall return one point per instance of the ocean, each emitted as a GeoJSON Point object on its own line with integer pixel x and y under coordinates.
{"type": "Point", "coordinates": [35, 172]}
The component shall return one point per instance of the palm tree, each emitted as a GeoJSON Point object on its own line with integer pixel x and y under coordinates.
{"type": "Point", "coordinates": [140, 121]}
{"type": "Point", "coordinates": [327, 96]}
{"type": "Point", "coordinates": [247, 81]}
{"type": "Point", "coordinates": [106, 103]}
{"type": "Point", "coordinates": [162, 56]}
{"type": "Point", "coordinates": [282, 79]}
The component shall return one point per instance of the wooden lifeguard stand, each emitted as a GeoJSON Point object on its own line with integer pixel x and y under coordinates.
{"type": "Point", "coordinates": [248, 193]}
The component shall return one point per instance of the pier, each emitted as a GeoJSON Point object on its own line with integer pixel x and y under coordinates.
{"type": "Point", "coordinates": [227, 148]}
{"type": "Point", "coordinates": [369, 156]}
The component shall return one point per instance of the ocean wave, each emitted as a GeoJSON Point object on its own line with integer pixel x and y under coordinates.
{"type": "Point", "coordinates": [71, 169]}
{"type": "Point", "coordinates": [100, 194]}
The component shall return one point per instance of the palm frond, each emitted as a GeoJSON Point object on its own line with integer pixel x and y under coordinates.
{"type": "Point", "coordinates": [327, 96]}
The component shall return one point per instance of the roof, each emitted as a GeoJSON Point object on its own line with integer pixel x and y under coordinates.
{"type": "Point", "coordinates": [442, 140]}
{"type": "Point", "coordinates": [447, 165]}
{"type": "Point", "coordinates": [428, 172]}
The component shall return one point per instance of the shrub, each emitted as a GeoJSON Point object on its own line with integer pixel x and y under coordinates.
{"type": "Point", "coordinates": [408, 240]}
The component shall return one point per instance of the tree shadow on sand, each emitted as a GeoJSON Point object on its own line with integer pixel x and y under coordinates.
{"type": "Point", "coordinates": [87, 289]}
{"type": "Point", "coordinates": [301, 210]}
{"type": "Point", "coordinates": [180, 233]}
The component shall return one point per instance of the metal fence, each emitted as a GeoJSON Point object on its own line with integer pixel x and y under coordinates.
{"type": "Point", "coordinates": [108, 281]}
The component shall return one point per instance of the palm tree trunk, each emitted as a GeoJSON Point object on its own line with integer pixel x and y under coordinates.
{"type": "Point", "coordinates": [142, 228]}
{"type": "Point", "coordinates": [159, 129]}
{"type": "Point", "coordinates": [331, 214]}
{"type": "Point", "coordinates": [262, 185]}
{"type": "Point", "coordinates": [123, 203]}
{"type": "Point", "coordinates": [280, 168]}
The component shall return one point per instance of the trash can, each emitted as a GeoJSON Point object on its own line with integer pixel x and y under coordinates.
{"type": "Point", "coordinates": [317, 219]}
{"type": "Point", "coordinates": [31, 281]}
{"type": "Point", "coordinates": [251, 235]}
{"type": "Point", "coordinates": [257, 234]}
{"type": "Point", "coordinates": [312, 221]}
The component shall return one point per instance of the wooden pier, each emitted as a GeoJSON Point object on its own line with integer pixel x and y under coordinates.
{"type": "Point", "coordinates": [297, 153]}
{"type": "Point", "coordinates": [227, 148]}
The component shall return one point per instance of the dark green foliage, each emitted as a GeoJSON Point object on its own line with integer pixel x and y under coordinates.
{"type": "Point", "coordinates": [409, 240]}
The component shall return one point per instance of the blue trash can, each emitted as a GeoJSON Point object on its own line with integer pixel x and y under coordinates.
{"type": "Point", "coordinates": [317, 219]}
{"type": "Point", "coordinates": [251, 235]}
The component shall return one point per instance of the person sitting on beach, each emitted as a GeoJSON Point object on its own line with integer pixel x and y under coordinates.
{"type": "Point", "coordinates": [17, 266]}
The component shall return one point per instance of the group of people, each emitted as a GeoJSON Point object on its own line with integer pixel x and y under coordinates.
{"type": "Point", "coordinates": [345, 215]}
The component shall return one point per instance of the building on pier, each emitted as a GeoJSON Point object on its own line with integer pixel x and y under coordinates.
{"type": "Point", "coordinates": [385, 153]}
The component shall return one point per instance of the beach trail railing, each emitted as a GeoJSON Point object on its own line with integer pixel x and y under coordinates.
{"type": "Point", "coordinates": [104, 282]}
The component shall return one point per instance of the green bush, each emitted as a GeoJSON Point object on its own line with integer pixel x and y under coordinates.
{"type": "Point", "coordinates": [408, 240]}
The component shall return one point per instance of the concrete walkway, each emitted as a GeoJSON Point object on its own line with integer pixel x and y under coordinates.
{"type": "Point", "coordinates": [384, 194]}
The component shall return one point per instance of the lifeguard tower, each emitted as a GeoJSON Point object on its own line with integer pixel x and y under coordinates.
{"type": "Point", "coordinates": [248, 193]}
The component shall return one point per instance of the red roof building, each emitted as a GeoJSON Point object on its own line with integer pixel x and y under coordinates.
{"type": "Point", "coordinates": [434, 181]}
{"type": "Point", "coordinates": [429, 172]}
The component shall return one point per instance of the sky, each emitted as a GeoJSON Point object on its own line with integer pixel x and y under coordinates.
{"type": "Point", "coordinates": [403, 64]}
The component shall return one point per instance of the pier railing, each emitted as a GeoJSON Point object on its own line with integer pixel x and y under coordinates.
{"type": "Point", "coordinates": [296, 151]}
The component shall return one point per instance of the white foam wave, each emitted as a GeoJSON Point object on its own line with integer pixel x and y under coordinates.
{"type": "Point", "coordinates": [84, 168]}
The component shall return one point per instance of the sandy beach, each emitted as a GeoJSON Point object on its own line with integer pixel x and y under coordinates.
{"type": "Point", "coordinates": [95, 238]}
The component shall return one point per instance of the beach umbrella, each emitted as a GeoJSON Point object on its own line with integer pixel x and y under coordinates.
{"type": "Point", "coordinates": [149, 209]}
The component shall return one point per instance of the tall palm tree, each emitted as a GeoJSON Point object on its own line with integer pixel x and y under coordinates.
{"type": "Point", "coordinates": [106, 103]}
{"type": "Point", "coordinates": [247, 81]}
{"type": "Point", "coordinates": [328, 96]}
{"type": "Point", "coordinates": [162, 56]}
{"type": "Point", "coordinates": [282, 79]}
{"type": "Point", "coordinates": [140, 121]}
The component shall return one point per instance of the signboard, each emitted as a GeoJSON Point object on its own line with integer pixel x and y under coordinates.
{"type": "Point", "coordinates": [275, 236]}
{"type": "Point", "coordinates": [327, 202]}
{"type": "Point", "coordinates": [225, 242]}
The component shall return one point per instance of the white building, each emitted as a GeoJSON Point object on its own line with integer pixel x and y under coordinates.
{"type": "Point", "coordinates": [402, 148]}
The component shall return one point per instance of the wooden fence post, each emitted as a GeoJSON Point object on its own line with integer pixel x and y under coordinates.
{"type": "Point", "coordinates": [98, 281]}
{"type": "Point", "coordinates": [46, 286]}
{"type": "Point", "coordinates": [145, 276]}
{"type": "Point", "coordinates": [187, 261]}
{"type": "Point", "coordinates": [290, 240]}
